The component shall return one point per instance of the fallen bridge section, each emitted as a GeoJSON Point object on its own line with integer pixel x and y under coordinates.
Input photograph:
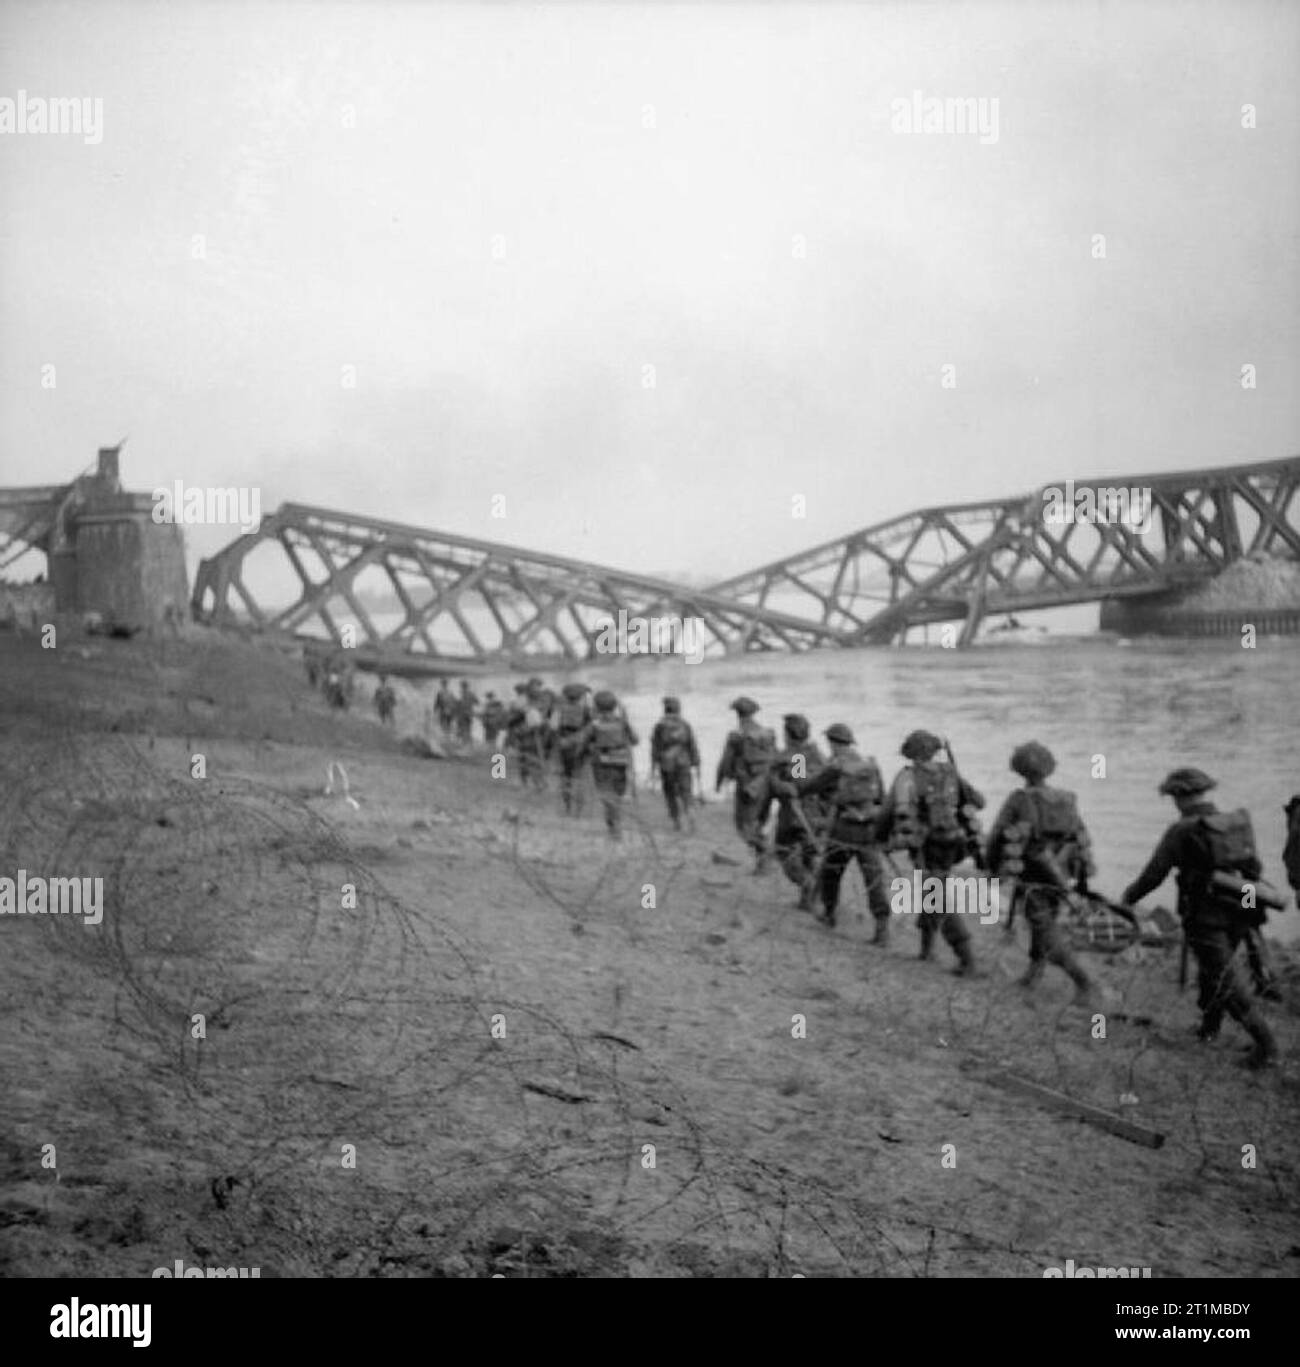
{"type": "Point", "coordinates": [1080, 541]}
{"type": "Point", "coordinates": [451, 599]}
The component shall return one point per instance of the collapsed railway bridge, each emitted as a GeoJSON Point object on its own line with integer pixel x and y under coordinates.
{"type": "Point", "coordinates": [464, 601]}
{"type": "Point", "coordinates": [420, 600]}
{"type": "Point", "coordinates": [962, 563]}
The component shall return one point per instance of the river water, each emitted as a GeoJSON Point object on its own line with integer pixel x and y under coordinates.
{"type": "Point", "coordinates": [1146, 706]}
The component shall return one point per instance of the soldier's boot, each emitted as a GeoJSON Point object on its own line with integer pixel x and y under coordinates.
{"type": "Point", "coordinates": [1086, 992]}
{"type": "Point", "coordinates": [762, 861]}
{"type": "Point", "coordinates": [1263, 1052]}
{"type": "Point", "coordinates": [1032, 974]}
{"type": "Point", "coordinates": [807, 895]}
{"type": "Point", "coordinates": [927, 938]}
{"type": "Point", "coordinates": [1208, 1030]}
{"type": "Point", "coordinates": [828, 916]}
{"type": "Point", "coordinates": [1261, 968]}
{"type": "Point", "coordinates": [881, 937]}
{"type": "Point", "coordinates": [966, 965]}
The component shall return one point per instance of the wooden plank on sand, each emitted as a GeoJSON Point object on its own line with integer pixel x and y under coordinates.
{"type": "Point", "coordinates": [1081, 1110]}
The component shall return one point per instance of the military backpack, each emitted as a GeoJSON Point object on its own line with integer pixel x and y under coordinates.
{"type": "Point", "coordinates": [756, 751]}
{"type": "Point", "coordinates": [674, 742]}
{"type": "Point", "coordinates": [859, 789]}
{"type": "Point", "coordinates": [938, 802]}
{"type": "Point", "coordinates": [609, 739]}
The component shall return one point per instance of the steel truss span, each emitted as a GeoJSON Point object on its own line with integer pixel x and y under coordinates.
{"type": "Point", "coordinates": [1074, 542]}
{"type": "Point", "coordinates": [462, 600]}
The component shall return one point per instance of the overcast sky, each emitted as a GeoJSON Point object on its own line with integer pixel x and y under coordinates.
{"type": "Point", "coordinates": [501, 215]}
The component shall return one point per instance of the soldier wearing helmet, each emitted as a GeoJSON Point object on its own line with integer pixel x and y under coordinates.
{"type": "Point", "coordinates": [607, 742]}
{"type": "Point", "coordinates": [1040, 841]}
{"type": "Point", "coordinates": [852, 787]}
{"type": "Point", "coordinates": [928, 813]}
{"type": "Point", "coordinates": [674, 753]}
{"type": "Point", "coordinates": [746, 761]}
{"type": "Point", "coordinates": [568, 725]}
{"type": "Point", "coordinates": [525, 725]}
{"type": "Point", "coordinates": [800, 821]}
{"type": "Point", "coordinates": [1210, 848]}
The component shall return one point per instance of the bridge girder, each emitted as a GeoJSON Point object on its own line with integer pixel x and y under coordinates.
{"type": "Point", "coordinates": [965, 561]}
{"type": "Point", "coordinates": [464, 601]}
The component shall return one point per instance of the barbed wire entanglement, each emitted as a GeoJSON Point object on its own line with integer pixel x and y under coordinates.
{"type": "Point", "coordinates": [368, 1020]}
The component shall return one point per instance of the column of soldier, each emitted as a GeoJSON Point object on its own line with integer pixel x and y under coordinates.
{"type": "Point", "coordinates": [834, 808]}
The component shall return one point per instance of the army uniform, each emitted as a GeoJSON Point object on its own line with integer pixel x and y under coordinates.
{"type": "Point", "coordinates": [852, 788]}
{"type": "Point", "coordinates": [336, 692]}
{"type": "Point", "coordinates": [494, 719]}
{"type": "Point", "coordinates": [1291, 851]}
{"type": "Point", "coordinates": [543, 701]}
{"type": "Point", "coordinates": [444, 708]}
{"type": "Point", "coordinates": [674, 751]}
{"type": "Point", "coordinates": [1040, 840]}
{"type": "Point", "coordinates": [746, 760]}
{"type": "Point", "coordinates": [385, 700]}
{"type": "Point", "coordinates": [523, 735]}
{"type": "Point", "coordinates": [1201, 843]}
{"type": "Point", "coordinates": [465, 706]}
{"type": "Point", "coordinates": [800, 821]}
{"type": "Point", "coordinates": [926, 814]}
{"type": "Point", "coordinates": [569, 722]}
{"type": "Point", "coordinates": [607, 742]}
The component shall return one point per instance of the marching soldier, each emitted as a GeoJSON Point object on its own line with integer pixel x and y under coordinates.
{"type": "Point", "coordinates": [569, 723]}
{"type": "Point", "coordinates": [385, 700]}
{"type": "Point", "coordinates": [799, 821]}
{"type": "Point", "coordinates": [608, 743]}
{"type": "Point", "coordinates": [853, 790]}
{"type": "Point", "coordinates": [1039, 839]}
{"type": "Point", "coordinates": [464, 712]}
{"type": "Point", "coordinates": [746, 760]}
{"type": "Point", "coordinates": [444, 707]}
{"type": "Point", "coordinates": [924, 815]}
{"type": "Point", "coordinates": [1291, 850]}
{"type": "Point", "coordinates": [1213, 852]}
{"type": "Point", "coordinates": [523, 735]}
{"type": "Point", "coordinates": [494, 718]}
{"type": "Point", "coordinates": [673, 750]}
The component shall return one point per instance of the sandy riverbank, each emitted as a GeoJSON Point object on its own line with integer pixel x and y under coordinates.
{"type": "Point", "coordinates": [625, 1026]}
